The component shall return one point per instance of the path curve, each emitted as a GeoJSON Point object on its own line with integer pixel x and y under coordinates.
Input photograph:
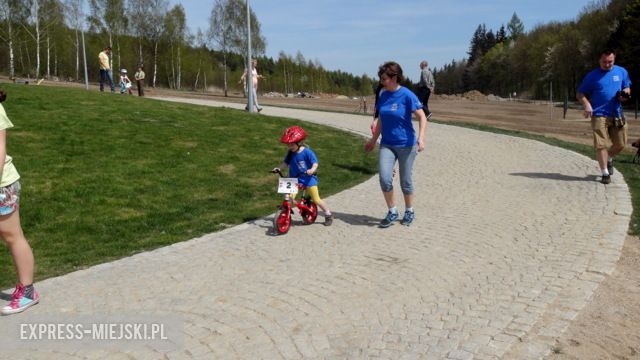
{"type": "Point", "coordinates": [511, 238]}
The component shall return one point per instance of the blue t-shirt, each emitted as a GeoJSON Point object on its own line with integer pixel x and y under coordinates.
{"type": "Point", "coordinates": [601, 87]}
{"type": "Point", "coordinates": [395, 110]}
{"type": "Point", "coordinates": [299, 163]}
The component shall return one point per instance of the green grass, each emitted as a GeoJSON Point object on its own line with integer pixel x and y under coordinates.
{"type": "Point", "coordinates": [106, 176]}
{"type": "Point", "coordinates": [623, 163]}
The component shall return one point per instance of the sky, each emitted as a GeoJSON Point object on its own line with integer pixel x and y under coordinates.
{"type": "Point", "coordinates": [357, 36]}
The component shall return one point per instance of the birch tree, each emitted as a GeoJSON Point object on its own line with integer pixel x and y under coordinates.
{"type": "Point", "coordinates": [34, 7]}
{"type": "Point", "coordinates": [220, 33]}
{"type": "Point", "coordinates": [52, 18]}
{"type": "Point", "coordinates": [238, 9]}
{"type": "Point", "coordinates": [75, 18]}
{"type": "Point", "coordinates": [228, 31]}
{"type": "Point", "coordinates": [12, 12]}
{"type": "Point", "coordinates": [148, 23]}
{"type": "Point", "coordinates": [175, 30]}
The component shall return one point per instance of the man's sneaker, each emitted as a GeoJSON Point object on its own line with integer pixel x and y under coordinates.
{"type": "Point", "coordinates": [19, 301]}
{"type": "Point", "coordinates": [328, 220]}
{"type": "Point", "coordinates": [429, 115]}
{"type": "Point", "coordinates": [388, 220]}
{"type": "Point", "coordinates": [610, 166]}
{"type": "Point", "coordinates": [606, 179]}
{"type": "Point", "coordinates": [408, 218]}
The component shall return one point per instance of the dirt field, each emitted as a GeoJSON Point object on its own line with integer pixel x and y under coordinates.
{"type": "Point", "coordinates": [609, 327]}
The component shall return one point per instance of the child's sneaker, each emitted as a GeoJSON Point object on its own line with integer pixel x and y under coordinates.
{"type": "Point", "coordinates": [388, 220]}
{"type": "Point", "coordinates": [328, 220]}
{"type": "Point", "coordinates": [408, 218]}
{"type": "Point", "coordinates": [19, 301]}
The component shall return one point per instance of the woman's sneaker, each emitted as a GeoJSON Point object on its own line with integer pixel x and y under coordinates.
{"type": "Point", "coordinates": [20, 301]}
{"type": "Point", "coordinates": [408, 218]}
{"type": "Point", "coordinates": [388, 220]}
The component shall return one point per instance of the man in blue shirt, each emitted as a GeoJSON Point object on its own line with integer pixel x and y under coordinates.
{"type": "Point", "coordinates": [601, 93]}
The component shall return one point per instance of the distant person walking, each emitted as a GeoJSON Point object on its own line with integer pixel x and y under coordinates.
{"type": "Point", "coordinates": [426, 85]}
{"type": "Point", "coordinates": [396, 105]}
{"type": "Point", "coordinates": [254, 78]}
{"type": "Point", "coordinates": [139, 77]}
{"type": "Point", "coordinates": [24, 296]}
{"type": "Point", "coordinates": [105, 68]}
{"type": "Point", "coordinates": [602, 92]}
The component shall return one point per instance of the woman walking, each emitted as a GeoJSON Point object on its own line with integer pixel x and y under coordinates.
{"type": "Point", "coordinates": [396, 105]}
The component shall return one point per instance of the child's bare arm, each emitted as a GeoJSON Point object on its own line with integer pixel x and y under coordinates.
{"type": "Point", "coordinates": [313, 169]}
{"type": "Point", "coordinates": [282, 166]}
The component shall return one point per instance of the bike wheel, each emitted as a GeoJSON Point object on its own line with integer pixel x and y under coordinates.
{"type": "Point", "coordinates": [309, 216]}
{"type": "Point", "coordinates": [281, 220]}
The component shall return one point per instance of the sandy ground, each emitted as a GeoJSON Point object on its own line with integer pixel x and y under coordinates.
{"type": "Point", "coordinates": [609, 327]}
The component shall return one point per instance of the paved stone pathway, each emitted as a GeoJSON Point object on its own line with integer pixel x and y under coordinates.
{"type": "Point", "coordinates": [511, 238]}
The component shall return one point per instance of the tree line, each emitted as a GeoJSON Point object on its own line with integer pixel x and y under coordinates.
{"type": "Point", "coordinates": [551, 58]}
{"type": "Point", "coordinates": [44, 39]}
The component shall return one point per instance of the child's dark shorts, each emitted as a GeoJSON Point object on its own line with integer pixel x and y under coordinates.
{"type": "Point", "coordinates": [9, 198]}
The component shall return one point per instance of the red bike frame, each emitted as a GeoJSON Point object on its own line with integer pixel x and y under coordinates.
{"type": "Point", "coordinates": [307, 208]}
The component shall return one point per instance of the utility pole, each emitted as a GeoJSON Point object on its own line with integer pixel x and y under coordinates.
{"type": "Point", "coordinates": [249, 67]}
{"type": "Point", "coordinates": [84, 56]}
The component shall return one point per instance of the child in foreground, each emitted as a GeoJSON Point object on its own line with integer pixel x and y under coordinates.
{"type": "Point", "coordinates": [303, 164]}
{"type": "Point", "coordinates": [24, 296]}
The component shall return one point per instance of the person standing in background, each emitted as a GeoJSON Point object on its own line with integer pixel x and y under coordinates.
{"type": "Point", "coordinates": [425, 87]}
{"type": "Point", "coordinates": [254, 78]}
{"type": "Point", "coordinates": [139, 77]}
{"type": "Point", "coordinates": [105, 69]}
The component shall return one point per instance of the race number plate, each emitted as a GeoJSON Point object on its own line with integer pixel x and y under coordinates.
{"type": "Point", "coordinates": [288, 186]}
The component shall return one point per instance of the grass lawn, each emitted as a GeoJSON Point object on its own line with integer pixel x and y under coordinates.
{"type": "Point", "coordinates": [106, 176]}
{"type": "Point", "coordinates": [623, 163]}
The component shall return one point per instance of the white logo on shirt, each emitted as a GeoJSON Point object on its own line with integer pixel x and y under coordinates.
{"type": "Point", "coordinates": [616, 78]}
{"type": "Point", "coordinates": [394, 107]}
{"type": "Point", "coordinates": [302, 166]}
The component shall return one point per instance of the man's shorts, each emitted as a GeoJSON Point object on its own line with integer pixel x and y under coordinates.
{"type": "Point", "coordinates": [606, 133]}
{"type": "Point", "coordinates": [9, 198]}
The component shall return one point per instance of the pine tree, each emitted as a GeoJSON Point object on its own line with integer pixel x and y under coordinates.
{"type": "Point", "coordinates": [515, 27]}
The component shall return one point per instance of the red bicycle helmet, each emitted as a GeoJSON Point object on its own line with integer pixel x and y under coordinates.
{"type": "Point", "coordinates": [293, 134]}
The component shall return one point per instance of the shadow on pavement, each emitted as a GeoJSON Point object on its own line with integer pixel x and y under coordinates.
{"type": "Point", "coordinates": [355, 168]}
{"type": "Point", "coordinates": [556, 176]}
{"type": "Point", "coordinates": [356, 219]}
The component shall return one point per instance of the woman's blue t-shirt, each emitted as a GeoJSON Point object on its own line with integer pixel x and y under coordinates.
{"type": "Point", "coordinates": [395, 110]}
{"type": "Point", "coordinates": [299, 163]}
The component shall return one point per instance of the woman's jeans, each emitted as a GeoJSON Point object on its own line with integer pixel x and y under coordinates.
{"type": "Point", "coordinates": [386, 161]}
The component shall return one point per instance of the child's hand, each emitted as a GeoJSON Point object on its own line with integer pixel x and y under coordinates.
{"type": "Point", "coordinates": [309, 172]}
